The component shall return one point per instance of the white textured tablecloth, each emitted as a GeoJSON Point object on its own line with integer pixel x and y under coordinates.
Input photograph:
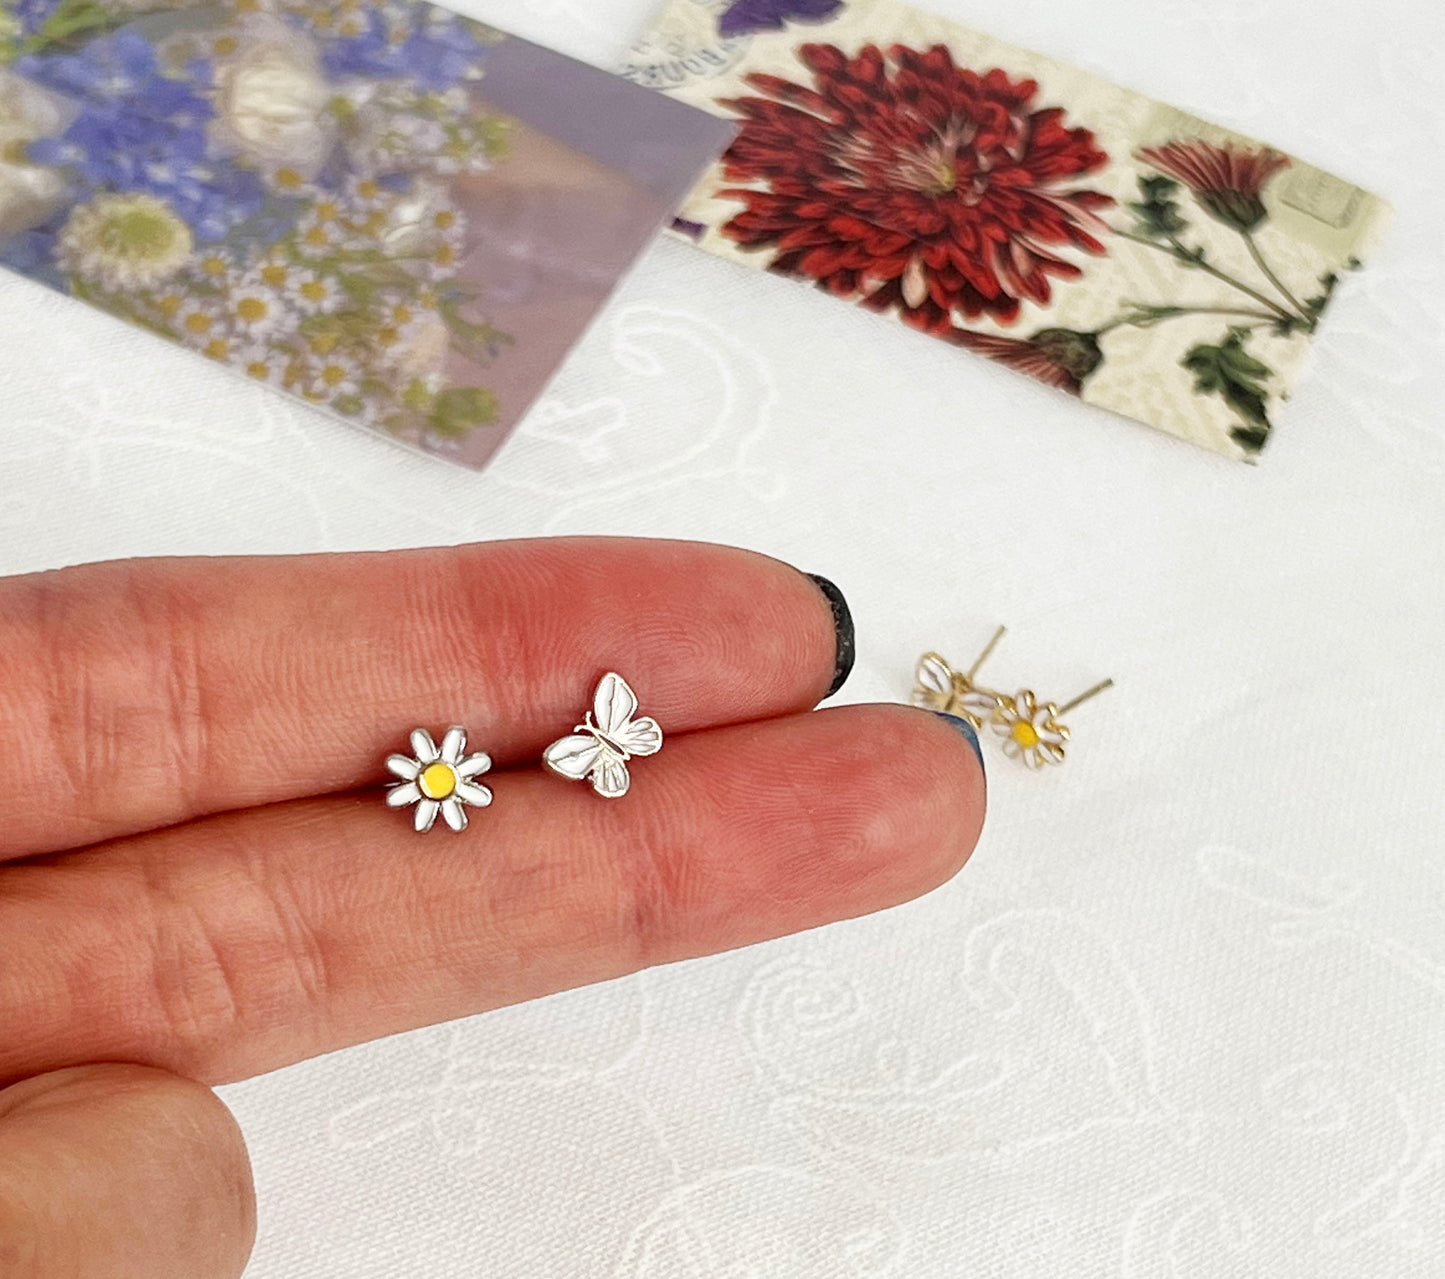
{"type": "Point", "coordinates": [1184, 1013]}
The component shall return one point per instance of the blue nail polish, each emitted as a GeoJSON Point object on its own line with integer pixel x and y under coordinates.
{"type": "Point", "coordinates": [965, 728]}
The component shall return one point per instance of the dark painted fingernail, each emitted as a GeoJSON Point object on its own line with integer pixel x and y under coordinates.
{"type": "Point", "coordinates": [964, 727]}
{"type": "Point", "coordinates": [847, 650]}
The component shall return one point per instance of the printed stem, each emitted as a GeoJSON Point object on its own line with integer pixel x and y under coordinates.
{"type": "Point", "coordinates": [1177, 251]}
{"type": "Point", "coordinates": [1137, 320]}
{"type": "Point", "coordinates": [1270, 275]}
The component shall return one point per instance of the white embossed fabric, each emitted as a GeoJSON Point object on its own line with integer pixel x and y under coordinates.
{"type": "Point", "coordinates": [1182, 1017]}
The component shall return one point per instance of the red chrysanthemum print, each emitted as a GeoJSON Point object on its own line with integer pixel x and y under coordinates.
{"type": "Point", "coordinates": [907, 181]}
{"type": "Point", "coordinates": [1226, 180]}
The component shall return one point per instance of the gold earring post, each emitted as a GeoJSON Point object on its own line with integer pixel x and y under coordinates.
{"type": "Point", "coordinates": [1084, 697]}
{"type": "Point", "coordinates": [986, 654]}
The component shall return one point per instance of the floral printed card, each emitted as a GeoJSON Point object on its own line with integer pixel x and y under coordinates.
{"type": "Point", "coordinates": [397, 214]}
{"type": "Point", "coordinates": [1106, 244]}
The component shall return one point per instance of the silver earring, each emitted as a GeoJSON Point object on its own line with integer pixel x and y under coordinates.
{"type": "Point", "coordinates": [439, 779]}
{"type": "Point", "coordinates": [601, 748]}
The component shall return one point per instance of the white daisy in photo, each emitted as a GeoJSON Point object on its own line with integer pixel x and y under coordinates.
{"type": "Point", "coordinates": [332, 377]}
{"type": "Point", "coordinates": [220, 348]}
{"type": "Point", "coordinates": [312, 293]}
{"type": "Point", "coordinates": [198, 320]}
{"type": "Point", "coordinates": [274, 271]}
{"type": "Point", "coordinates": [439, 780]}
{"type": "Point", "coordinates": [366, 195]}
{"type": "Point", "coordinates": [262, 363]}
{"type": "Point", "coordinates": [317, 238]}
{"type": "Point", "coordinates": [253, 311]}
{"type": "Point", "coordinates": [1031, 732]}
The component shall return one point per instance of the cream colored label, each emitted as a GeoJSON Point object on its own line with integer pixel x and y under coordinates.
{"type": "Point", "coordinates": [1150, 262]}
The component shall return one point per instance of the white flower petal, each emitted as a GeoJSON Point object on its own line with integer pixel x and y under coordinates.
{"type": "Point", "coordinates": [476, 796]}
{"type": "Point", "coordinates": [1003, 728]}
{"type": "Point", "coordinates": [401, 796]}
{"type": "Point", "coordinates": [423, 747]}
{"type": "Point", "coordinates": [1025, 702]}
{"type": "Point", "coordinates": [455, 814]}
{"type": "Point", "coordinates": [1011, 748]}
{"type": "Point", "coordinates": [1055, 733]}
{"type": "Point", "coordinates": [1033, 759]}
{"type": "Point", "coordinates": [453, 744]}
{"type": "Point", "coordinates": [404, 767]}
{"type": "Point", "coordinates": [1043, 715]}
{"type": "Point", "coordinates": [426, 814]}
{"type": "Point", "coordinates": [474, 766]}
{"type": "Point", "coordinates": [1051, 753]}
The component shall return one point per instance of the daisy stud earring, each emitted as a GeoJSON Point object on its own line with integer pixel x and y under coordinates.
{"type": "Point", "coordinates": [439, 779]}
{"type": "Point", "coordinates": [1033, 732]}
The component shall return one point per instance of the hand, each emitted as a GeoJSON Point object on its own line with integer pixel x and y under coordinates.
{"type": "Point", "coordinates": [199, 879]}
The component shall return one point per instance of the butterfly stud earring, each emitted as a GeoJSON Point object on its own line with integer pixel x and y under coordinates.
{"type": "Point", "coordinates": [941, 688]}
{"type": "Point", "coordinates": [600, 749]}
{"type": "Point", "coordinates": [439, 779]}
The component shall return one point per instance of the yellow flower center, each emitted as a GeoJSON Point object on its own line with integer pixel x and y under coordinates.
{"type": "Point", "coordinates": [259, 370]}
{"type": "Point", "coordinates": [252, 309]}
{"type": "Point", "coordinates": [213, 264]}
{"type": "Point", "coordinates": [197, 322]}
{"type": "Point", "coordinates": [1026, 735]}
{"type": "Point", "coordinates": [333, 375]}
{"type": "Point", "coordinates": [273, 274]}
{"type": "Point", "coordinates": [218, 349]}
{"type": "Point", "coordinates": [314, 291]}
{"type": "Point", "coordinates": [437, 781]}
{"type": "Point", "coordinates": [139, 233]}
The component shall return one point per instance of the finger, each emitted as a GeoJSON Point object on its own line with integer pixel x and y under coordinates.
{"type": "Point", "coordinates": [142, 694]}
{"type": "Point", "coordinates": [121, 1172]}
{"type": "Point", "coordinates": [252, 940]}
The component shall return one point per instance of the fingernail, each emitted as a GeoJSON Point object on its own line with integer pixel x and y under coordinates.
{"type": "Point", "coordinates": [847, 649]}
{"type": "Point", "coordinates": [971, 737]}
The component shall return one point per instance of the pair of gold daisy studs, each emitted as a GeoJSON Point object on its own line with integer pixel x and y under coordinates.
{"type": "Point", "coordinates": [1031, 730]}
{"type": "Point", "coordinates": [442, 780]}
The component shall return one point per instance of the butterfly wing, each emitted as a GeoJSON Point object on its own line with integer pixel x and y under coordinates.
{"type": "Point", "coordinates": [573, 757]}
{"type": "Point", "coordinates": [935, 682]}
{"type": "Point", "coordinates": [610, 777]}
{"type": "Point", "coordinates": [614, 705]}
{"type": "Point", "coordinates": [640, 737]}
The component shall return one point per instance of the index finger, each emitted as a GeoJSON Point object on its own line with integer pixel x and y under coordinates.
{"type": "Point", "coordinates": [141, 694]}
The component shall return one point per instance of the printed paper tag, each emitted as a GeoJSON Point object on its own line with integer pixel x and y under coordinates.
{"type": "Point", "coordinates": [1013, 206]}
{"type": "Point", "coordinates": [397, 214]}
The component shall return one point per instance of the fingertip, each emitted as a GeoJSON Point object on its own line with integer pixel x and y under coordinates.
{"type": "Point", "coordinates": [943, 795]}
